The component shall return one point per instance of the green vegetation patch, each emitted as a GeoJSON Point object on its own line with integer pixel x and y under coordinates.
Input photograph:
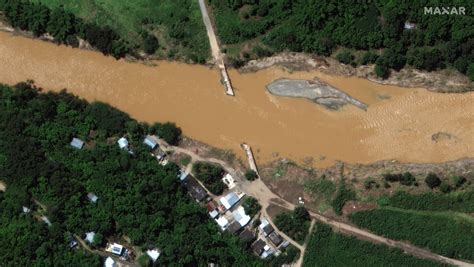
{"type": "Point", "coordinates": [295, 223]}
{"type": "Point", "coordinates": [456, 201]}
{"type": "Point", "coordinates": [210, 175]}
{"type": "Point", "coordinates": [326, 248]}
{"type": "Point", "coordinates": [443, 234]}
{"type": "Point", "coordinates": [343, 195]}
{"type": "Point", "coordinates": [320, 187]}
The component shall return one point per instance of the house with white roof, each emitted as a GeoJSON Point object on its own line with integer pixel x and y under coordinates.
{"type": "Point", "coordinates": [92, 197]}
{"type": "Point", "coordinates": [240, 216]}
{"type": "Point", "coordinates": [90, 237]}
{"type": "Point", "coordinates": [229, 200]}
{"type": "Point", "coordinates": [109, 262]}
{"type": "Point", "coordinates": [150, 142]}
{"type": "Point", "coordinates": [117, 249]}
{"type": "Point", "coordinates": [154, 254]}
{"type": "Point", "coordinates": [123, 143]}
{"type": "Point", "coordinates": [222, 222]}
{"type": "Point", "coordinates": [229, 181]}
{"type": "Point", "coordinates": [77, 143]}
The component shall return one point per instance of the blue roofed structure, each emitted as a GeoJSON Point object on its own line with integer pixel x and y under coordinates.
{"type": "Point", "coordinates": [150, 142]}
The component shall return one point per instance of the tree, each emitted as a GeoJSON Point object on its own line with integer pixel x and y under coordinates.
{"type": "Point", "coordinates": [168, 131]}
{"type": "Point", "coordinates": [381, 69]}
{"type": "Point", "coordinates": [150, 44]}
{"type": "Point", "coordinates": [432, 180]}
{"type": "Point", "coordinates": [251, 175]}
{"type": "Point", "coordinates": [369, 58]}
{"type": "Point", "coordinates": [251, 206]}
{"type": "Point", "coordinates": [345, 57]}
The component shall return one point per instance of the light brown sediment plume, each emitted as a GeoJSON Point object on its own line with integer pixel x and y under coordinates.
{"type": "Point", "coordinates": [399, 123]}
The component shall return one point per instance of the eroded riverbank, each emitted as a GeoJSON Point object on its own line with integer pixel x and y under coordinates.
{"type": "Point", "coordinates": [398, 125]}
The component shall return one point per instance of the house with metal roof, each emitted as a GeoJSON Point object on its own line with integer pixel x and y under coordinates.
{"type": "Point", "coordinates": [234, 227]}
{"type": "Point", "coordinates": [229, 200]}
{"type": "Point", "coordinates": [150, 142]}
{"type": "Point", "coordinates": [247, 235]}
{"type": "Point", "coordinates": [240, 216]}
{"type": "Point", "coordinates": [90, 237]}
{"type": "Point", "coordinates": [275, 238]}
{"type": "Point", "coordinates": [154, 254]}
{"type": "Point", "coordinates": [222, 222]}
{"type": "Point", "coordinates": [77, 143]}
{"type": "Point", "coordinates": [123, 143]}
{"type": "Point", "coordinates": [258, 246]}
{"type": "Point", "coordinates": [266, 227]}
{"type": "Point", "coordinates": [92, 197]}
{"type": "Point", "coordinates": [109, 262]}
{"type": "Point", "coordinates": [194, 188]}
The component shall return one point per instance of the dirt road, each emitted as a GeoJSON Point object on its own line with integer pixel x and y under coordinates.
{"type": "Point", "coordinates": [262, 193]}
{"type": "Point", "coordinates": [216, 53]}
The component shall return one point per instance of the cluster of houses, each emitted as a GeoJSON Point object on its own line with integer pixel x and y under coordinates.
{"type": "Point", "coordinates": [231, 216]}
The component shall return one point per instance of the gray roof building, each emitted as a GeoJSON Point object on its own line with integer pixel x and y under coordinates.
{"type": "Point", "coordinates": [150, 142]}
{"type": "Point", "coordinates": [77, 143]}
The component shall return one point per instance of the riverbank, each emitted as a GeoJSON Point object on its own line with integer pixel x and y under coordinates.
{"type": "Point", "coordinates": [443, 81]}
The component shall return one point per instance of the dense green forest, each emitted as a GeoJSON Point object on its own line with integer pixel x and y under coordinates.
{"type": "Point", "coordinates": [320, 27]}
{"type": "Point", "coordinates": [326, 248]}
{"type": "Point", "coordinates": [137, 197]}
{"type": "Point", "coordinates": [168, 28]}
{"type": "Point", "coordinates": [444, 234]}
{"type": "Point", "coordinates": [294, 223]}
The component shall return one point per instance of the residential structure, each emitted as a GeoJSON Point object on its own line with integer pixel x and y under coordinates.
{"type": "Point", "coordinates": [77, 143]}
{"type": "Point", "coordinates": [90, 237]}
{"type": "Point", "coordinates": [266, 227]}
{"type": "Point", "coordinates": [247, 235]}
{"type": "Point", "coordinates": [194, 188]}
{"type": "Point", "coordinates": [222, 222]}
{"type": "Point", "coordinates": [123, 143]}
{"type": "Point", "coordinates": [229, 200]}
{"type": "Point", "coordinates": [258, 247]}
{"type": "Point", "coordinates": [275, 238]}
{"type": "Point", "coordinates": [109, 262]}
{"type": "Point", "coordinates": [240, 216]}
{"type": "Point", "coordinates": [154, 254]}
{"type": "Point", "coordinates": [150, 142]}
{"type": "Point", "coordinates": [92, 197]}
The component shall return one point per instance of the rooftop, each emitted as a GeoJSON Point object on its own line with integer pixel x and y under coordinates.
{"type": "Point", "coordinates": [153, 253]}
{"type": "Point", "coordinates": [229, 200]}
{"type": "Point", "coordinates": [77, 143]}
{"type": "Point", "coordinates": [150, 141]}
{"type": "Point", "coordinates": [194, 188]}
{"type": "Point", "coordinates": [240, 216]}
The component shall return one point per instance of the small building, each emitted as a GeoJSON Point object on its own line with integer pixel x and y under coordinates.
{"type": "Point", "coordinates": [72, 243]}
{"type": "Point", "coordinates": [109, 262]}
{"type": "Point", "coordinates": [212, 209]}
{"type": "Point", "coordinates": [266, 227]}
{"type": "Point", "coordinates": [240, 216]}
{"type": "Point", "coordinates": [116, 249]}
{"type": "Point", "coordinates": [150, 142]}
{"type": "Point", "coordinates": [222, 222]}
{"type": "Point", "coordinates": [285, 244]}
{"type": "Point", "coordinates": [275, 238]}
{"type": "Point", "coordinates": [229, 181]}
{"type": "Point", "coordinates": [26, 209]}
{"type": "Point", "coordinates": [409, 26]}
{"type": "Point", "coordinates": [154, 254]}
{"type": "Point", "coordinates": [258, 247]}
{"type": "Point", "coordinates": [46, 220]}
{"type": "Point", "coordinates": [123, 143]}
{"type": "Point", "coordinates": [77, 143]}
{"type": "Point", "coordinates": [267, 251]}
{"type": "Point", "coordinates": [234, 227]}
{"type": "Point", "coordinates": [229, 200]}
{"type": "Point", "coordinates": [90, 237]}
{"type": "Point", "coordinates": [247, 235]}
{"type": "Point", "coordinates": [194, 188]}
{"type": "Point", "coordinates": [92, 197]}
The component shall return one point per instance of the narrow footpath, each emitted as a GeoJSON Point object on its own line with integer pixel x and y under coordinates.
{"type": "Point", "coordinates": [265, 197]}
{"type": "Point", "coordinates": [216, 52]}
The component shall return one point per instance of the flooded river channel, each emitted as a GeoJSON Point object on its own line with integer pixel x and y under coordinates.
{"type": "Point", "coordinates": [399, 123]}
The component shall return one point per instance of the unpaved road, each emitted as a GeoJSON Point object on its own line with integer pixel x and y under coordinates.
{"type": "Point", "coordinates": [262, 193]}
{"type": "Point", "coordinates": [216, 53]}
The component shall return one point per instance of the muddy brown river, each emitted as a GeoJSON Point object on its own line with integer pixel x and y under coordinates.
{"type": "Point", "coordinates": [399, 123]}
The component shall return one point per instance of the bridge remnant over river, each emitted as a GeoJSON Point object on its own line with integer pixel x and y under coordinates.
{"type": "Point", "coordinates": [216, 52]}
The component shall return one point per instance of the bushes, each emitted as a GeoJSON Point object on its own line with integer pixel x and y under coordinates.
{"type": "Point", "coordinates": [150, 44]}
{"type": "Point", "coordinates": [345, 57]}
{"type": "Point", "coordinates": [326, 248]}
{"type": "Point", "coordinates": [322, 186]}
{"type": "Point", "coordinates": [461, 202]}
{"type": "Point", "coordinates": [442, 234]}
{"type": "Point", "coordinates": [251, 206]}
{"type": "Point", "coordinates": [295, 223]}
{"type": "Point", "coordinates": [432, 180]}
{"type": "Point", "coordinates": [369, 58]}
{"type": "Point", "coordinates": [210, 175]}
{"type": "Point", "coordinates": [251, 175]}
{"type": "Point", "coordinates": [405, 179]}
{"type": "Point", "coordinates": [343, 195]}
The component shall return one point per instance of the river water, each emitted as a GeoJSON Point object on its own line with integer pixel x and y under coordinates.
{"type": "Point", "coordinates": [399, 123]}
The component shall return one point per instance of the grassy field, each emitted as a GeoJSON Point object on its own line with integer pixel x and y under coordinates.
{"type": "Point", "coordinates": [176, 23]}
{"type": "Point", "coordinates": [446, 233]}
{"type": "Point", "coordinates": [326, 248]}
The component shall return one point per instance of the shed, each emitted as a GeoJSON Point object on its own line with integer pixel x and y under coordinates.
{"type": "Point", "coordinates": [123, 143]}
{"type": "Point", "coordinates": [194, 188]}
{"type": "Point", "coordinates": [275, 238]}
{"type": "Point", "coordinates": [229, 200]}
{"type": "Point", "coordinates": [92, 197]}
{"type": "Point", "coordinates": [258, 246]}
{"type": "Point", "coordinates": [154, 254]}
{"type": "Point", "coordinates": [229, 181]}
{"type": "Point", "coordinates": [240, 216]}
{"type": "Point", "coordinates": [109, 262]}
{"type": "Point", "coordinates": [222, 222]}
{"type": "Point", "coordinates": [90, 237]}
{"type": "Point", "coordinates": [214, 214]}
{"type": "Point", "coordinates": [150, 142]}
{"type": "Point", "coordinates": [77, 143]}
